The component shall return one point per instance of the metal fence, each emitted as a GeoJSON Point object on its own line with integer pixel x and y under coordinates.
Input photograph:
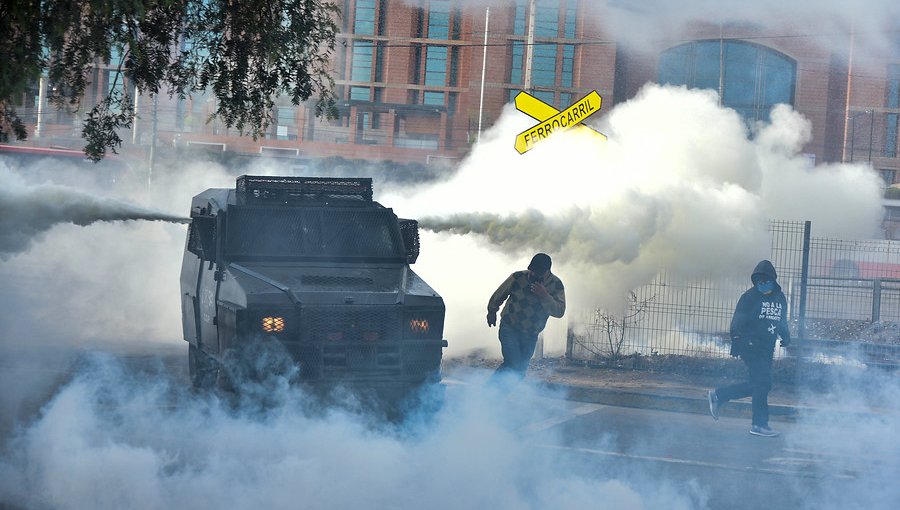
{"type": "Point", "coordinates": [842, 293]}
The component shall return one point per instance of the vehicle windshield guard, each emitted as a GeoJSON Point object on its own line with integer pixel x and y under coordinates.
{"type": "Point", "coordinates": [312, 233]}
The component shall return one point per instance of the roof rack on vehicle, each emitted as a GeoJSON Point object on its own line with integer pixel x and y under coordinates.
{"type": "Point", "coordinates": [256, 188]}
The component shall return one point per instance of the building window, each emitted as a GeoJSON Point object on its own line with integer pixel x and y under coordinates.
{"type": "Point", "coordinates": [439, 19]}
{"type": "Point", "coordinates": [436, 66]}
{"type": "Point", "coordinates": [285, 128]}
{"type": "Point", "coordinates": [752, 80]}
{"type": "Point", "coordinates": [433, 98]}
{"type": "Point", "coordinates": [890, 136]}
{"type": "Point", "coordinates": [571, 12]}
{"type": "Point", "coordinates": [519, 17]}
{"type": "Point", "coordinates": [547, 96]}
{"type": "Point", "coordinates": [546, 18]}
{"type": "Point", "coordinates": [518, 55]}
{"type": "Point", "coordinates": [893, 86]}
{"type": "Point", "coordinates": [361, 69]}
{"type": "Point", "coordinates": [364, 17]}
{"type": "Point", "coordinates": [115, 86]}
{"type": "Point", "coordinates": [543, 65]}
{"type": "Point", "coordinates": [565, 100]}
{"type": "Point", "coordinates": [359, 93]}
{"type": "Point", "coordinates": [567, 65]}
{"type": "Point", "coordinates": [888, 175]}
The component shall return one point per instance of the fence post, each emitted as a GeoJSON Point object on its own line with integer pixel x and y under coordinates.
{"type": "Point", "coordinates": [876, 300]}
{"type": "Point", "coordinates": [804, 280]}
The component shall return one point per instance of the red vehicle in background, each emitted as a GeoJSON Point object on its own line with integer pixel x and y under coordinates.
{"type": "Point", "coordinates": [862, 269]}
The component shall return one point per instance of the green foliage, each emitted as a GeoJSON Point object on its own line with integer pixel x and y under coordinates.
{"type": "Point", "coordinates": [892, 193]}
{"type": "Point", "coordinates": [246, 52]}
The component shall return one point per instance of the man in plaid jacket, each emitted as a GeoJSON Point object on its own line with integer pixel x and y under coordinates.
{"type": "Point", "coordinates": [531, 296]}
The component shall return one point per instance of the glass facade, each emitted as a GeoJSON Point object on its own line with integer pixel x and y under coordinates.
{"type": "Point", "coordinates": [433, 98]}
{"type": "Point", "coordinates": [571, 12]}
{"type": "Point", "coordinates": [893, 86]}
{"type": "Point", "coordinates": [750, 78]}
{"type": "Point", "coordinates": [543, 65]}
{"type": "Point", "coordinates": [518, 56]}
{"type": "Point", "coordinates": [361, 67]}
{"type": "Point", "coordinates": [364, 17]}
{"type": "Point", "coordinates": [436, 66]}
{"type": "Point", "coordinates": [567, 65]}
{"type": "Point", "coordinates": [546, 96]}
{"type": "Point", "coordinates": [549, 68]}
{"type": "Point", "coordinates": [520, 17]}
{"type": "Point", "coordinates": [439, 19]}
{"type": "Point", "coordinates": [546, 18]}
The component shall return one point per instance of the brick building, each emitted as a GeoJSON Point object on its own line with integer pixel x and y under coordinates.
{"type": "Point", "coordinates": [413, 84]}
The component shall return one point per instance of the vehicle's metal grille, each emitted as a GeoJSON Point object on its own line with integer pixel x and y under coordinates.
{"type": "Point", "coordinates": [376, 324]}
{"type": "Point", "coordinates": [294, 189]}
{"type": "Point", "coordinates": [336, 281]}
{"type": "Point", "coordinates": [333, 343]}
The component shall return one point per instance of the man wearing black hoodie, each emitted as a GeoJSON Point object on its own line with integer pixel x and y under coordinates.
{"type": "Point", "coordinates": [760, 317]}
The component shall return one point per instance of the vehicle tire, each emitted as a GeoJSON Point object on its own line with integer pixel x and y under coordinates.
{"type": "Point", "coordinates": [203, 368]}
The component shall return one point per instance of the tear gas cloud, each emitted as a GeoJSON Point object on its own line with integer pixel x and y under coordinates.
{"type": "Point", "coordinates": [111, 439]}
{"type": "Point", "coordinates": [681, 186]}
{"type": "Point", "coordinates": [27, 212]}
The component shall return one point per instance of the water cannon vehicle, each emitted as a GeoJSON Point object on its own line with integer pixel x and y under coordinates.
{"type": "Point", "coordinates": [316, 268]}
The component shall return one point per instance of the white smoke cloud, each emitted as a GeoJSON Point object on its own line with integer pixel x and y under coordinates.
{"type": "Point", "coordinates": [850, 430]}
{"type": "Point", "coordinates": [681, 185]}
{"type": "Point", "coordinates": [29, 211]}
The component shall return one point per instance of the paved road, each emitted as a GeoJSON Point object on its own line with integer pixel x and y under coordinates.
{"type": "Point", "coordinates": [802, 468]}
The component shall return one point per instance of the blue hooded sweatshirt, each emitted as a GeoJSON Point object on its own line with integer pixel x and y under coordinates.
{"type": "Point", "coordinates": [759, 319]}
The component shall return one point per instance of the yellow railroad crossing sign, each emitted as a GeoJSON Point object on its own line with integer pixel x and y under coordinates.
{"type": "Point", "coordinates": [553, 120]}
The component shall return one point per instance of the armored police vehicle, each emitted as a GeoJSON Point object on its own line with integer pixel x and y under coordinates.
{"type": "Point", "coordinates": [316, 266]}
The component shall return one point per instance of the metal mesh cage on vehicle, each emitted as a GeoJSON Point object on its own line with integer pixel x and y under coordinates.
{"type": "Point", "coordinates": [409, 230]}
{"type": "Point", "coordinates": [254, 188]}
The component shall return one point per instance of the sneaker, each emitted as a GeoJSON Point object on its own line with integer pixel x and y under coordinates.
{"type": "Point", "coordinates": [714, 405]}
{"type": "Point", "coordinates": [757, 430]}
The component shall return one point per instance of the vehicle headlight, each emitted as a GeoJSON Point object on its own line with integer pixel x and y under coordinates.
{"type": "Point", "coordinates": [418, 326]}
{"type": "Point", "coordinates": [425, 324]}
{"type": "Point", "coordinates": [272, 324]}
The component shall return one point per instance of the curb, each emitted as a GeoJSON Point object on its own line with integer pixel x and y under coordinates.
{"type": "Point", "coordinates": [622, 398]}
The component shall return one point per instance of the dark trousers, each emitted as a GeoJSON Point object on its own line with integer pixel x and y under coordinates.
{"type": "Point", "coordinates": [517, 348]}
{"type": "Point", "coordinates": [757, 387]}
